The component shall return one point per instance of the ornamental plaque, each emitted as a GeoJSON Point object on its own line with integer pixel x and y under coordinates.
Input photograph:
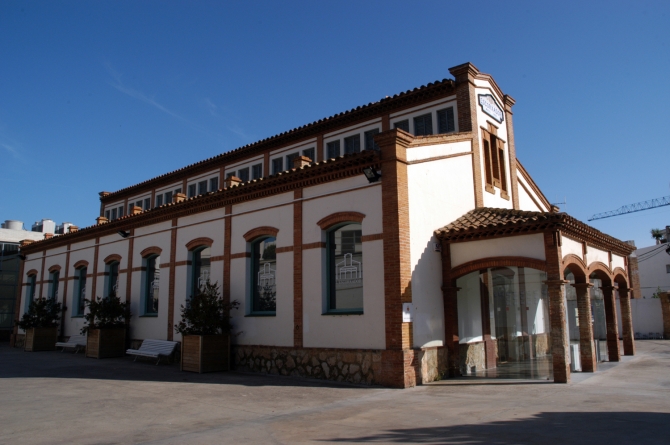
{"type": "Point", "coordinates": [490, 106]}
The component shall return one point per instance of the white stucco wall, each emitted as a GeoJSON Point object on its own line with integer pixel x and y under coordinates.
{"type": "Point", "coordinates": [646, 313]}
{"type": "Point", "coordinates": [439, 192]}
{"type": "Point", "coordinates": [570, 246]}
{"type": "Point", "coordinates": [530, 246]}
{"type": "Point", "coordinates": [653, 265]}
{"type": "Point", "coordinates": [433, 151]}
{"type": "Point", "coordinates": [527, 195]}
{"type": "Point", "coordinates": [618, 261]}
{"type": "Point", "coordinates": [594, 255]}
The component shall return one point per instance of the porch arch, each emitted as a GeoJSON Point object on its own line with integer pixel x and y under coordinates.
{"type": "Point", "coordinates": [491, 262]}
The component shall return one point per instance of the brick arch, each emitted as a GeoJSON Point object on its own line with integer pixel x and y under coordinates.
{"type": "Point", "coordinates": [32, 272]}
{"type": "Point", "coordinates": [54, 268]}
{"type": "Point", "coordinates": [261, 231]}
{"type": "Point", "coordinates": [112, 258]}
{"type": "Point", "coordinates": [602, 267]}
{"type": "Point", "coordinates": [198, 242]}
{"type": "Point", "coordinates": [81, 263]}
{"type": "Point", "coordinates": [340, 217]}
{"type": "Point", "coordinates": [577, 267]}
{"type": "Point", "coordinates": [620, 278]}
{"type": "Point", "coordinates": [501, 261]}
{"type": "Point", "coordinates": [153, 250]}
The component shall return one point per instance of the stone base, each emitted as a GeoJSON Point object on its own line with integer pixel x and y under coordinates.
{"type": "Point", "coordinates": [433, 364]}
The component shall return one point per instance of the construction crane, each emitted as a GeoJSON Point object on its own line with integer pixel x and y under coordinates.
{"type": "Point", "coordinates": [637, 207]}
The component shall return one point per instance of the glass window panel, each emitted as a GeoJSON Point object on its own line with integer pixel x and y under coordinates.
{"type": "Point", "coordinates": [370, 143]}
{"type": "Point", "coordinates": [55, 276]}
{"type": "Point", "coordinates": [81, 291]}
{"type": "Point", "coordinates": [352, 144]}
{"type": "Point", "coordinates": [403, 125]}
{"type": "Point", "coordinates": [423, 125]}
{"type": "Point", "coordinates": [201, 268]}
{"type": "Point", "coordinates": [290, 158]}
{"type": "Point", "coordinates": [345, 263]}
{"type": "Point", "coordinates": [147, 203]}
{"type": "Point", "coordinates": [120, 214]}
{"type": "Point", "coordinates": [152, 285]}
{"type": "Point", "coordinates": [243, 174]}
{"type": "Point", "coordinates": [168, 197]}
{"type": "Point", "coordinates": [445, 121]}
{"type": "Point", "coordinates": [202, 187]}
{"type": "Point", "coordinates": [191, 190]}
{"type": "Point", "coordinates": [159, 200]}
{"type": "Point", "coordinates": [113, 213]}
{"type": "Point", "coordinates": [213, 184]}
{"type": "Point", "coordinates": [257, 171]}
{"type": "Point", "coordinates": [107, 214]}
{"type": "Point", "coordinates": [113, 278]}
{"type": "Point", "coordinates": [264, 268]}
{"type": "Point", "coordinates": [309, 152]}
{"type": "Point", "coordinates": [277, 165]}
{"type": "Point", "coordinates": [333, 149]}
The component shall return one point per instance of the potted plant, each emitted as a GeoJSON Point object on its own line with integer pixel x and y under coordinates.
{"type": "Point", "coordinates": [105, 326]}
{"type": "Point", "coordinates": [205, 329]}
{"type": "Point", "coordinates": [41, 324]}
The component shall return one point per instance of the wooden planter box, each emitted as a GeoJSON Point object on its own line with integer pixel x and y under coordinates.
{"type": "Point", "coordinates": [41, 339]}
{"type": "Point", "coordinates": [106, 343]}
{"type": "Point", "coordinates": [205, 353]}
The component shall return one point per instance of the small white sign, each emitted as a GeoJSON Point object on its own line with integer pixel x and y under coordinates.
{"type": "Point", "coordinates": [407, 312]}
{"type": "Point", "coordinates": [490, 106]}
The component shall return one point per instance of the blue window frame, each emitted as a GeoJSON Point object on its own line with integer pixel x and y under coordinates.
{"type": "Point", "coordinates": [264, 276]}
{"type": "Point", "coordinates": [344, 253]}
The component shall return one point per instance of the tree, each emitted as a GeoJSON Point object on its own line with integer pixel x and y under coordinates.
{"type": "Point", "coordinates": [658, 235]}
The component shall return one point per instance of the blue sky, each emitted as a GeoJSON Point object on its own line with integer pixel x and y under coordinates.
{"type": "Point", "coordinates": [101, 95]}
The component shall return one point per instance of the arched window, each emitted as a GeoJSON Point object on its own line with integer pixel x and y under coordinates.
{"type": "Point", "coordinates": [32, 286]}
{"type": "Point", "coordinates": [150, 284]}
{"type": "Point", "coordinates": [79, 292]}
{"type": "Point", "coordinates": [345, 268]}
{"type": "Point", "coordinates": [54, 277]}
{"type": "Point", "coordinates": [200, 268]}
{"type": "Point", "coordinates": [111, 278]}
{"type": "Point", "coordinates": [264, 275]}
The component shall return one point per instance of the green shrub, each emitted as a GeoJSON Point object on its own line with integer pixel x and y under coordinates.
{"type": "Point", "coordinates": [206, 313]}
{"type": "Point", "coordinates": [42, 313]}
{"type": "Point", "coordinates": [104, 313]}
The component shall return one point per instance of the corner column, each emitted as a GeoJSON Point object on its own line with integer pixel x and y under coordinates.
{"type": "Point", "coordinates": [398, 362]}
{"type": "Point", "coordinates": [627, 321]}
{"type": "Point", "coordinates": [587, 350]}
{"type": "Point", "coordinates": [613, 351]}
{"type": "Point", "coordinates": [665, 308]}
{"type": "Point", "coordinates": [559, 333]}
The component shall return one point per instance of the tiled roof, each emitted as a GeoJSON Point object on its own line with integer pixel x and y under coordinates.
{"type": "Point", "coordinates": [371, 109]}
{"type": "Point", "coordinates": [486, 223]}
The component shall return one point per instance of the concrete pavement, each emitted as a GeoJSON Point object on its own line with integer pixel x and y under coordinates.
{"type": "Point", "coordinates": [61, 398]}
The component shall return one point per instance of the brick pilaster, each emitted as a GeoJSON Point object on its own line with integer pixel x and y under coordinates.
{"type": "Point", "coordinates": [626, 322]}
{"type": "Point", "coordinates": [466, 105]}
{"type": "Point", "coordinates": [227, 252]}
{"type": "Point", "coordinates": [65, 282]}
{"type": "Point", "coordinates": [449, 295]}
{"type": "Point", "coordinates": [171, 280]}
{"type": "Point", "coordinates": [17, 306]}
{"type": "Point", "coordinates": [587, 349]}
{"type": "Point", "coordinates": [398, 368]}
{"type": "Point", "coordinates": [94, 280]}
{"type": "Point", "coordinates": [44, 259]}
{"type": "Point", "coordinates": [613, 351]}
{"type": "Point", "coordinates": [560, 343]}
{"type": "Point", "coordinates": [665, 308]}
{"type": "Point", "coordinates": [297, 267]}
{"type": "Point", "coordinates": [634, 277]}
{"type": "Point", "coordinates": [511, 150]}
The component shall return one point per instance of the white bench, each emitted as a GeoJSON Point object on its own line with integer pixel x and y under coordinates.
{"type": "Point", "coordinates": [75, 341]}
{"type": "Point", "coordinates": [154, 349]}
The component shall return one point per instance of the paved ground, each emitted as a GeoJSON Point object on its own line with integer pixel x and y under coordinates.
{"type": "Point", "coordinates": [61, 398]}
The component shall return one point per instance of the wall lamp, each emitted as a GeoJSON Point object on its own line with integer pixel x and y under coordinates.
{"type": "Point", "coordinates": [124, 233]}
{"type": "Point", "coordinates": [372, 174]}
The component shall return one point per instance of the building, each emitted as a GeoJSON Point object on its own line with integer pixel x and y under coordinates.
{"type": "Point", "coordinates": [654, 267]}
{"type": "Point", "coordinates": [389, 244]}
{"type": "Point", "coordinates": [12, 233]}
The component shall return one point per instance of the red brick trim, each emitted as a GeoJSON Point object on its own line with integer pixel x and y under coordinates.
{"type": "Point", "coordinates": [373, 237]}
{"type": "Point", "coordinates": [570, 259]}
{"type": "Point", "coordinates": [227, 253]}
{"type": "Point", "coordinates": [501, 261]}
{"type": "Point", "coordinates": [261, 231]}
{"type": "Point", "coordinates": [171, 279]}
{"type": "Point", "coordinates": [217, 258]}
{"type": "Point", "coordinates": [81, 263]}
{"type": "Point", "coordinates": [181, 263]}
{"type": "Point", "coordinates": [286, 249]}
{"type": "Point", "coordinates": [317, 245]}
{"type": "Point", "coordinates": [619, 275]}
{"type": "Point", "coordinates": [44, 259]}
{"type": "Point", "coordinates": [55, 268]}
{"type": "Point", "coordinates": [32, 272]}
{"type": "Point", "coordinates": [202, 241]}
{"type": "Point", "coordinates": [240, 255]}
{"type": "Point", "coordinates": [297, 266]}
{"type": "Point", "coordinates": [131, 248]}
{"type": "Point", "coordinates": [153, 250]}
{"type": "Point", "coordinates": [340, 217]}
{"type": "Point", "coordinates": [111, 258]}
{"type": "Point", "coordinates": [17, 306]}
{"type": "Point", "coordinates": [602, 267]}
{"type": "Point", "coordinates": [96, 252]}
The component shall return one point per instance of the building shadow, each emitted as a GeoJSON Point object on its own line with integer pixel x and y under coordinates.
{"type": "Point", "coordinates": [544, 428]}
